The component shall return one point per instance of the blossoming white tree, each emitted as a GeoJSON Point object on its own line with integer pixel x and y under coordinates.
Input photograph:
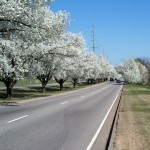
{"type": "Point", "coordinates": [76, 69]}
{"type": "Point", "coordinates": [108, 69]}
{"type": "Point", "coordinates": [93, 68]}
{"type": "Point", "coordinates": [46, 53]}
{"type": "Point", "coordinates": [61, 72]}
{"type": "Point", "coordinates": [33, 40]}
{"type": "Point", "coordinates": [144, 75]}
{"type": "Point", "coordinates": [23, 27]}
{"type": "Point", "coordinates": [145, 62]}
{"type": "Point", "coordinates": [69, 63]}
{"type": "Point", "coordinates": [67, 46]}
{"type": "Point", "coordinates": [133, 71]}
{"type": "Point", "coordinates": [76, 63]}
{"type": "Point", "coordinates": [12, 64]}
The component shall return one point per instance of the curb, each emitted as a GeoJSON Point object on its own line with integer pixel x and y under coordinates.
{"type": "Point", "coordinates": [110, 142]}
{"type": "Point", "coordinates": [106, 136]}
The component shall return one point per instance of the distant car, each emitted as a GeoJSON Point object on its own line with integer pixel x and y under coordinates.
{"type": "Point", "coordinates": [118, 81]}
{"type": "Point", "coordinates": [111, 79]}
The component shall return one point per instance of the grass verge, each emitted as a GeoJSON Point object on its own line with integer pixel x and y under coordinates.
{"type": "Point", "coordinates": [140, 107]}
{"type": "Point", "coordinates": [27, 82]}
{"type": "Point", "coordinates": [141, 110]}
{"type": "Point", "coordinates": [133, 125]}
{"type": "Point", "coordinates": [35, 92]}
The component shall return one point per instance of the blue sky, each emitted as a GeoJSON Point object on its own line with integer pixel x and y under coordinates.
{"type": "Point", "coordinates": [122, 27]}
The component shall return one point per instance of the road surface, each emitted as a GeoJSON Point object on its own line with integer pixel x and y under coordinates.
{"type": "Point", "coordinates": [63, 122]}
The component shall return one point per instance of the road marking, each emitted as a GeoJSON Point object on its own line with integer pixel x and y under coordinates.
{"type": "Point", "coordinates": [64, 103]}
{"type": "Point", "coordinates": [83, 96]}
{"type": "Point", "coordinates": [18, 119]}
{"type": "Point", "coordinates": [101, 125]}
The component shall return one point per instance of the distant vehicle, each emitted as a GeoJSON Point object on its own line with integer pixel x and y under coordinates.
{"type": "Point", "coordinates": [118, 81]}
{"type": "Point", "coordinates": [111, 79]}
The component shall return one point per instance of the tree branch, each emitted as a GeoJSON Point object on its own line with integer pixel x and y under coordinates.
{"type": "Point", "coordinates": [15, 21]}
{"type": "Point", "coordinates": [8, 30]}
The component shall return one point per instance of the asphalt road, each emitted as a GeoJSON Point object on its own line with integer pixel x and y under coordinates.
{"type": "Point", "coordinates": [63, 122]}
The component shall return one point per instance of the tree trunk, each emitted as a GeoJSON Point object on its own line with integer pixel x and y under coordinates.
{"type": "Point", "coordinates": [9, 92]}
{"type": "Point", "coordinates": [74, 84]}
{"type": "Point", "coordinates": [44, 80]}
{"type": "Point", "coordinates": [74, 81]}
{"type": "Point", "coordinates": [61, 86]}
{"type": "Point", "coordinates": [88, 81]}
{"type": "Point", "coordinates": [61, 82]}
{"type": "Point", "coordinates": [43, 87]}
{"type": "Point", "coordinates": [9, 86]}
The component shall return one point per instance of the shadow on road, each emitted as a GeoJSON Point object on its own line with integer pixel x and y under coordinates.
{"type": "Point", "coordinates": [9, 104]}
{"type": "Point", "coordinates": [117, 84]}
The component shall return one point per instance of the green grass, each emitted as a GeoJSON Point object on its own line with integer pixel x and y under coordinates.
{"type": "Point", "coordinates": [141, 106]}
{"type": "Point", "coordinates": [135, 90]}
{"type": "Point", "coordinates": [140, 99]}
{"type": "Point", "coordinates": [35, 92]}
{"type": "Point", "coordinates": [26, 82]}
{"type": "Point", "coordinates": [2, 84]}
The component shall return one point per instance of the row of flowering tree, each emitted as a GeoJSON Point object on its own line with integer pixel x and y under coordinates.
{"type": "Point", "coordinates": [34, 42]}
{"type": "Point", "coordinates": [133, 71]}
{"type": "Point", "coordinates": [85, 66]}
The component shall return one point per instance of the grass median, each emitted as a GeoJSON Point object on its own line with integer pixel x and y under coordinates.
{"type": "Point", "coordinates": [35, 92]}
{"type": "Point", "coordinates": [27, 82]}
{"type": "Point", "coordinates": [133, 127]}
{"type": "Point", "coordinates": [141, 110]}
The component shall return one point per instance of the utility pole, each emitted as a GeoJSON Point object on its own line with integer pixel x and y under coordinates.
{"type": "Point", "coordinates": [93, 39]}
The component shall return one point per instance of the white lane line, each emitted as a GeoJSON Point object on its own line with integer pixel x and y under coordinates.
{"type": "Point", "coordinates": [83, 96]}
{"type": "Point", "coordinates": [64, 103]}
{"type": "Point", "coordinates": [18, 119]}
{"type": "Point", "coordinates": [101, 125]}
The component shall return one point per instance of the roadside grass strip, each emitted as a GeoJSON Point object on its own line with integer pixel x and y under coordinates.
{"type": "Point", "coordinates": [140, 98]}
{"type": "Point", "coordinates": [36, 92]}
